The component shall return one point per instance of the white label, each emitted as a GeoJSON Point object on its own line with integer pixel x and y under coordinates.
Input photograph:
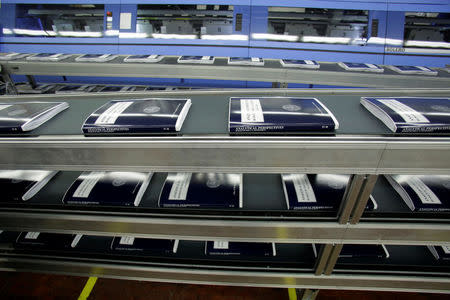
{"type": "Point", "coordinates": [86, 186]}
{"type": "Point", "coordinates": [255, 59]}
{"type": "Point", "coordinates": [372, 66]}
{"type": "Point", "coordinates": [3, 106]}
{"type": "Point", "coordinates": [110, 115]}
{"type": "Point", "coordinates": [75, 240]}
{"type": "Point", "coordinates": [205, 57]}
{"type": "Point", "coordinates": [405, 112]}
{"type": "Point", "coordinates": [220, 245]}
{"type": "Point", "coordinates": [303, 189]}
{"type": "Point", "coordinates": [125, 20]}
{"type": "Point", "coordinates": [309, 62]}
{"type": "Point", "coordinates": [425, 194]}
{"type": "Point", "coordinates": [180, 186]}
{"type": "Point", "coordinates": [126, 240]}
{"type": "Point", "coordinates": [251, 111]}
{"type": "Point", "coordinates": [423, 68]}
{"type": "Point", "coordinates": [153, 56]}
{"type": "Point", "coordinates": [32, 235]}
{"type": "Point", "coordinates": [446, 249]}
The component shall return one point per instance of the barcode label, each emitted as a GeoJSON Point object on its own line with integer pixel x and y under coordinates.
{"type": "Point", "coordinates": [220, 245]}
{"type": "Point", "coordinates": [32, 235]}
{"type": "Point", "coordinates": [88, 183]}
{"type": "Point", "coordinates": [110, 115]}
{"type": "Point", "coordinates": [126, 240]}
{"type": "Point", "coordinates": [180, 186]}
{"type": "Point", "coordinates": [404, 111]}
{"type": "Point", "coordinates": [251, 111]}
{"type": "Point", "coordinates": [425, 194]}
{"type": "Point", "coordinates": [303, 189]}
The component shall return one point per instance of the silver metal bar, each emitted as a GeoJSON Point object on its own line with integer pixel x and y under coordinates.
{"type": "Point", "coordinates": [350, 197]}
{"type": "Point", "coordinates": [308, 294]}
{"type": "Point", "coordinates": [363, 198]}
{"type": "Point", "coordinates": [10, 85]}
{"type": "Point", "coordinates": [333, 259]}
{"type": "Point", "coordinates": [322, 258]}
{"type": "Point", "coordinates": [236, 278]}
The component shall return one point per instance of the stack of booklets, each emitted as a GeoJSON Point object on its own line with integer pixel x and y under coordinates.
{"type": "Point", "coordinates": [420, 70]}
{"type": "Point", "coordinates": [133, 245]}
{"type": "Point", "coordinates": [96, 57]}
{"type": "Point", "coordinates": [25, 116]}
{"type": "Point", "coordinates": [138, 116]}
{"type": "Point", "coordinates": [279, 115]}
{"type": "Point", "coordinates": [46, 241]}
{"type": "Point", "coordinates": [153, 58]}
{"type": "Point", "coordinates": [108, 188]}
{"type": "Point", "coordinates": [48, 56]}
{"type": "Point", "coordinates": [209, 60]}
{"type": "Point", "coordinates": [369, 251]}
{"type": "Point", "coordinates": [441, 252]}
{"type": "Point", "coordinates": [297, 63]}
{"type": "Point", "coordinates": [411, 114]}
{"type": "Point", "coordinates": [246, 61]}
{"type": "Point", "coordinates": [423, 192]}
{"type": "Point", "coordinates": [12, 56]}
{"type": "Point", "coordinates": [202, 190]}
{"type": "Point", "coordinates": [361, 67]}
{"type": "Point", "coordinates": [68, 89]}
{"type": "Point", "coordinates": [117, 88]}
{"type": "Point", "coordinates": [21, 185]}
{"type": "Point", "coordinates": [317, 191]}
{"type": "Point", "coordinates": [225, 248]}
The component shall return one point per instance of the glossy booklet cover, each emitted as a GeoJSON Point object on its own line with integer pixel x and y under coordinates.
{"type": "Point", "coordinates": [420, 70]}
{"type": "Point", "coordinates": [48, 56]}
{"type": "Point", "coordinates": [117, 88]}
{"type": "Point", "coordinates": [361, 67]}
{"type": "Point", "coordinates": [226, 248]}
{"type": "Point", "coordinates": [299, 63]}
{"type": "Point", "coordinates": [153, 58]}
{"type": "Point", "coordinates": [246, 61]}
{"type": "Point", "coordinates": [21, 185]}
{"type": "Point", "coordinates": [317, 191]}
{"type": "Point", "coordinates": [78, 88]}
{"type": "Point", "coordinates": [440, 252]}
{"type": "Point", "coordinates": [133, 245]}
{"type": "Point", "coordinates": [196, 60]}
{"type": "Point", "coordinates": [202, 190]}
{"type": "Point", "coordinates": [260, 115]}
{"type": "Point", "coordinates": [138, 116]}
{"type": "Point", "coordinates": [411, 114]}
{"type": "Point", "coordinates": [16, 117]}
{"type": "Point", "coordinates": [96, 57]}
{"type": "Point", "coordinates": [12, 56]}
{"type": "Point", "coordinates": [423, 192]}
{"type": "Point", "coordinates": [47, 241]}
{"type": "Point", "coordinates": [373, 251]}
{"type": "Point", "coordinates": [108, 188]}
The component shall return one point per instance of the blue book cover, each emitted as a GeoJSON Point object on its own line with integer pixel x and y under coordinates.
{"type": "Point", "coordinates": [21, 185]}
{"type": "Point", "coordinates": [423, 192]}
{"type": "Point", "coordinates": [108, 188]}
{"type": "Point", "coordinates": [25, 116]}
{"type": "Point", "coordinates": [225, 248]}
{"type": "Point", "coordinates": [440, 252]}
{"type": "Point", "coordinates": [411, 114]}
{"type": "Point", "coordinates": [279, 115]}
{"type": "Point", "coordinates": [202, 190]}
{"type": "Point", "coordinates": [361, 67]}
{"type": "Point", "coordinates": [133, 245]}
{"type": "Point", "coordinates": [44, 241]}
{"type": "Point", "coordinates": [298, 63]}
{"type": "Point", "coordinates": [413, 70]}
{"type": "Point", "coordinates": [138, 116]}
{"type": "Point", "coordinates": [196, 59]}
{"type": "Point", "coordinates": [252, 61]}
{"type": "Point", "coordinates": [370, 251]}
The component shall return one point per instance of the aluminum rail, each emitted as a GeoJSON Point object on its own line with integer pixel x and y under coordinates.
{"type": "Point", "coordinates": [202, 228]}
{"type": "Point", "coordinates": [221, 71]}
{"type": "Point", "coordinates": [333, 154]}
{"type": "Point", "coordinates": [227, 277]}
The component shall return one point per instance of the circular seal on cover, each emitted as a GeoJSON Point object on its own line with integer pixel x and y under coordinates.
{"type": "Point", "coordinates": [291, 107]}
{"type": "Point", "coordinates": [213, 183]}
{"type": "Point", "coordinates": [152, 109]}
{"type": "Point", "coordinates": [118, 182]}
{"type": "Point", "coordinates": [442, 108]}
{"type": "Point", "coordinates": [446, 185]}
{"type": "Point", "coordinates": [16, 180]}
{"type": "Point", "coordinates": [17, 112]}
{"type": "Point", "coordinates": [336, 185]}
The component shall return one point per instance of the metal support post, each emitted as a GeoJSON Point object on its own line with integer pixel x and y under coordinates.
{"type": "Point", "coordinates": [350, 198]}
{"type": "Point", "coordinates": [364, 195]}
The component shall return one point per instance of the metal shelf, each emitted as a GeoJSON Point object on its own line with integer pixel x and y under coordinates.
{"type": "Point", "coordinates": [328, 74]}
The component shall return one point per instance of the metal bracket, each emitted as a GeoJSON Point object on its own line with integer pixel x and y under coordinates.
{"type": "Point", "coordinates": [281, 85]}
{"type": "Point", "coordinates": [350, 197]}
{"type": "Point", "coordinates": [307, 294]}
{"type": "Point", "coordinates": [366, 190]}
{"type": "Point", "coordinates": [10, 85]}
